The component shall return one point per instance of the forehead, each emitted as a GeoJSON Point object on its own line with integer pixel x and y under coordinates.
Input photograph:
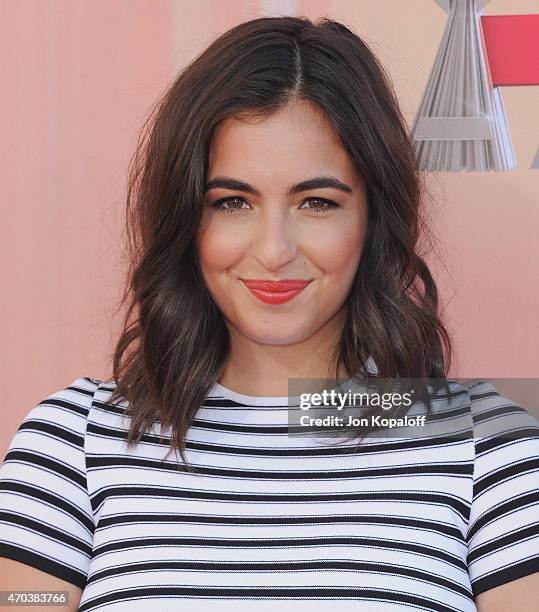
{"type": "Point", "coordinates": [298, 138]}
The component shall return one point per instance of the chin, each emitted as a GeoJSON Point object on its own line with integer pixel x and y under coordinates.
{"type": "Point", "coordinates": [270, 334]}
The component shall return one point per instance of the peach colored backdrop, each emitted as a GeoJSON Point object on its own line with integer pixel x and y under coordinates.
{"type": "Point", "coordinates": [79, 76]}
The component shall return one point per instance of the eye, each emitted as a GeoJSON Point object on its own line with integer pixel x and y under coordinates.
{"type": "Point", "coordinates": [234, 204]}
{"type": "Point", "coordinates": [230, 202]}
{"type": "Point", "coordinates": [323, 205]}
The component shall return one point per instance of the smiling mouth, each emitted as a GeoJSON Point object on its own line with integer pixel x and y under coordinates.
{"type": "Point", "coordinates": [275, 292]}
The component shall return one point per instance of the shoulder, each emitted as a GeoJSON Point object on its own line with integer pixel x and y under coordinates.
{"type": "Point", "coordinates": [75, 399]}
{"type": "Point", "coordinates": [500, 419]}
{"type": "Point", "coordinates": [61, 416]}
{"type": "Point", "coordinates": [506, 436]}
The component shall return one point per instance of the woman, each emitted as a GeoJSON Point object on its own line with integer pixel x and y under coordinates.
{"type": "Point", "coordinates": [274, 216]}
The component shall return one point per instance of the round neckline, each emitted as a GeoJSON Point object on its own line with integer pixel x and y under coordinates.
{"type": "Point", "coordinates": [276, 400]}
{"type": "Point", "coordinates": [260, 400]}
{"type": "Point", "coordinates": [253, 400]}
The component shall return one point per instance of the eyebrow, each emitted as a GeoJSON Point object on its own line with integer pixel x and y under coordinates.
{"type": "Point", "coordinates": [318, 182]}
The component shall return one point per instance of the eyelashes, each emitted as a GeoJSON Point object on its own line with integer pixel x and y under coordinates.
{"type": "Point", "coordinates": [218, 204]}
{"type": "Point", "coordinates": [324, 205]}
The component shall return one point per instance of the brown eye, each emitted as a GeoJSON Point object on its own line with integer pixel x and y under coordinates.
{"type": "Point", "coordinates": [231, 203]}
{"type": "Point", "coordinates": [322, 205]}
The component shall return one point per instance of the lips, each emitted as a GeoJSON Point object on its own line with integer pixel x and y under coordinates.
{"type": "Point", "coordinates": [276, 292]}
{"type": "Point", "coordinates": [276, 286]}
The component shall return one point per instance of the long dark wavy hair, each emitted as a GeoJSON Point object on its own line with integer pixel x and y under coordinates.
{"type": "Point", "coordinates": [174, 340]}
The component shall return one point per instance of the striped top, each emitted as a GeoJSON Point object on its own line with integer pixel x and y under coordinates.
{"type": "Point", "coordinates": [269, 520]}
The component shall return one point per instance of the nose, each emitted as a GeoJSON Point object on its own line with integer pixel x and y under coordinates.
{"type": "Point", "coordinates": [274, 242]}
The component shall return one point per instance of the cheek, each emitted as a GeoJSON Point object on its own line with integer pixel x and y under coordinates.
{"type": "Point", "coordinates": [219, 248]}
{"type": "Point", "coordinates": [338, 248]}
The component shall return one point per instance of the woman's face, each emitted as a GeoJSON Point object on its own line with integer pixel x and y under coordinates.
{"type": "Point", "coordinates": [271, 227]}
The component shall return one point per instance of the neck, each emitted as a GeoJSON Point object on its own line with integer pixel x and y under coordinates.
{"type": "Point", "coordinates": [254, 368]}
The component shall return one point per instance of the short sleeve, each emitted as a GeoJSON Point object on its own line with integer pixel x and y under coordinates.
{"type": "Point", "coordinates": [46, 518]}
{"type": "Point", "coordinates": [503, 530]}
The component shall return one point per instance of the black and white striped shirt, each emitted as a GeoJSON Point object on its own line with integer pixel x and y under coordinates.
{"type": "Point", "coordinates": [267, 520]}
